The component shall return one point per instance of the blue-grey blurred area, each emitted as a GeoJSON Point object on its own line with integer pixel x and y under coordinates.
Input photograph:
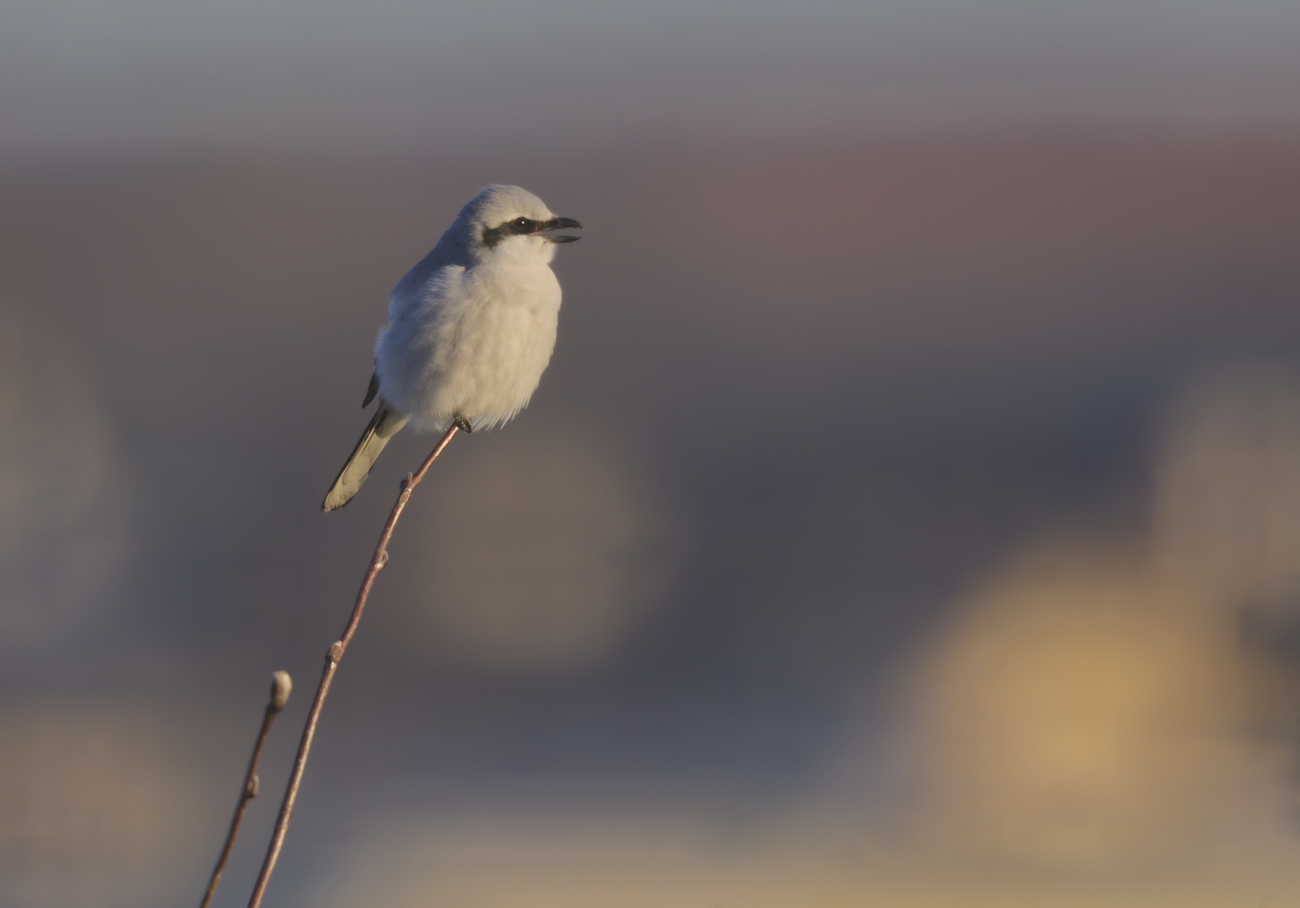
{"type": "Point", "coordinates": [910, 514]}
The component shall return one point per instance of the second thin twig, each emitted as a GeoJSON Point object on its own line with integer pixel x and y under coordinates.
{"type": "Point", "coordinates": [281, 685]}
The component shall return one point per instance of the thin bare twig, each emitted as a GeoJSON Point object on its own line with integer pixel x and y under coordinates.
{"type": "Point", "coordinates": [281, 685]}
{"type": "Point", "coordinates": [377, 562]}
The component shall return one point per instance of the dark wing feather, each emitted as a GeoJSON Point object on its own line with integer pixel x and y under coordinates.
{"type": "Point", "coordinates": [371, 391]}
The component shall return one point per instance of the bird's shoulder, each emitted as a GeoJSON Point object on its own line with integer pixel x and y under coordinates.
{"type": "Point", "coordinates": [430, 287]}
{"type": "Point", "coordinates": [442, 261]}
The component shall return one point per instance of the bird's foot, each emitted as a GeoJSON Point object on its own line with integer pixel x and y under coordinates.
{"type": "Point", "coordinates": [462, 423]}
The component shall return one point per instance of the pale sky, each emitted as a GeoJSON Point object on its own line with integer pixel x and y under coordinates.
{"type": "Point", "coordinates": [80, 74]}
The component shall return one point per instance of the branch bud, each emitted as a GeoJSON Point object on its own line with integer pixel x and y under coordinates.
{"type": "Point", "coordinates": [281, 686]}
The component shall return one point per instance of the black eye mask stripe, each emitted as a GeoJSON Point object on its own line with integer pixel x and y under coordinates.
{"type": "Point", "coordinates": [494, 235]}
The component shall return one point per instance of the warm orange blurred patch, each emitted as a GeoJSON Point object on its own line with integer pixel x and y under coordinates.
{"type": "Point", "coordinates": [1081, 710]}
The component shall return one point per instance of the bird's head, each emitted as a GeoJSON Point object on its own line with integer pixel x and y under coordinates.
{"type": "Point", "coordinates": [508, 217]}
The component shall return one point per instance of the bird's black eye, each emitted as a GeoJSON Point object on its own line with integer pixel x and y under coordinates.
{"type": "Point", "coordinates": [523, 224]}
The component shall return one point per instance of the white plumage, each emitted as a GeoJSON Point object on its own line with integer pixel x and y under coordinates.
{"type": "Point", "coordinates": [471, 327]}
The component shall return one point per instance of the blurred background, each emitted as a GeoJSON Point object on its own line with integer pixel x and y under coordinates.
{"type": "Point", "coordinates": [910, 514]}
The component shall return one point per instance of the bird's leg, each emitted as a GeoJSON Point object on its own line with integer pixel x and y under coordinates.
{"type": "Point", "coordinates": [462, 423]}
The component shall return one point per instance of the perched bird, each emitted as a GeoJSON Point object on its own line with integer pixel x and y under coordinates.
{"type": "Point", "coordinates": [470, 328]}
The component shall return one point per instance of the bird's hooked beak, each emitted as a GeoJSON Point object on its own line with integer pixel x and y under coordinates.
{"type": "Point", "coordinates": [548, 229]}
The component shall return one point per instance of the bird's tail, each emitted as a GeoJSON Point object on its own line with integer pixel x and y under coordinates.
{"type": "Point", "coordinates": [383, 426]}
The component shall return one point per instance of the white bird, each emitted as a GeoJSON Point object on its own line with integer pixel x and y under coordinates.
{"type": "Point", "coordinates": [470, 328]}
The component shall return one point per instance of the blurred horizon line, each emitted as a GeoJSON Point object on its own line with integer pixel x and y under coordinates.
{"type": "Point", "coordinates": [380, 121]}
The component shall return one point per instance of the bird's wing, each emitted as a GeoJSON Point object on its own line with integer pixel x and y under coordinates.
{"type": "Point", "coordinates": [372, 390]}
